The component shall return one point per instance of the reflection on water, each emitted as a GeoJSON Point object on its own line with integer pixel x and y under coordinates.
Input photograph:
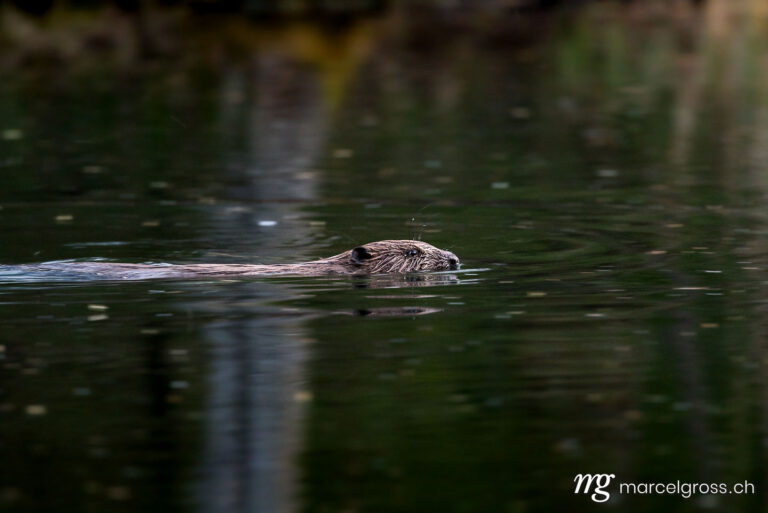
{"type": "Point", "coordinates": [599, 171]}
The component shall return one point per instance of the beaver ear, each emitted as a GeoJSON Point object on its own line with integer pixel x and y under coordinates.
{"type": "Point", "coordinates": [359, 255]}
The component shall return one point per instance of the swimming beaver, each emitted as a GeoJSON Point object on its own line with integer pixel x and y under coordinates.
{"type": "Point", "coordinates": [386, 256]}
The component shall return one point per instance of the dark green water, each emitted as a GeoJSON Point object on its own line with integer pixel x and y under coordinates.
{"type": "Point", "coordinates": [604, 185]}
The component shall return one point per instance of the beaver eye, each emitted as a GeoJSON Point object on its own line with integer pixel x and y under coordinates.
{"type": "Point", "coordinates": [412, 252]}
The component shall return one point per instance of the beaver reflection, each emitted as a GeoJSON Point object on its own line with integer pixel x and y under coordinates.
{"type": "Point", "coordinates": [402, 311]}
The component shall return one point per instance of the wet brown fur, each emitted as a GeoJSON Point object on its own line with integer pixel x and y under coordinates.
{"type": "Point", "coordinates": [387, 256]}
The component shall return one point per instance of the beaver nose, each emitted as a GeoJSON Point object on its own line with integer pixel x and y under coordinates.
{"type": "Point", "coordinates": [453, 260]}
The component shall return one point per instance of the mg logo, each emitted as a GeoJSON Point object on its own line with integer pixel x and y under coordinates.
{"type": "Point", "coordinates": [601, 481]}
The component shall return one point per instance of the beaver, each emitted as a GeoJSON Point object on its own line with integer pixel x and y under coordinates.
{"type": "Point", "coordinates": [386, 256]}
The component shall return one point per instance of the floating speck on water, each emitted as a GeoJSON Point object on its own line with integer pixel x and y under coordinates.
{"type": "Point", "coordinates": [305, 175]}
{"type": "Point", "coordinates": [302, 396]}
{"type": "Point", "coordinates": [568, 445]}
{"type": "Point", "coordinates": [607, 173]}
{"type": "Point", "coordinates": [64, 218]}
{"type": "Point", "coordinates": [657, 252]}
{"type": "Point", "coordinates": [494, 402]}
{"type": "Point", "coordinates": [709, 325]}
{"type": "Point", "coordinates": [98, 317]}
{"type": "Point", "coordinates": [267, 222]}
{"type": "Point", "coordinates": [13, 134]}
{"type": "Point", "coordinates": [500, 185]}
{"type": "Point", "coordinates": [712, 271]}
{"type": "Point", "coordinates": [317, 223]}
{"type": "Point", "coordinates": [151, 223]}
{"type": "Point", "coordinates": [10, 494]}
{"type": "Point", "coordinates": [342, 153]}
{"type": "Point", "coordinates": [118, 493]}
{"type": "Point", "coordinates": [520, 112]}
{"type": "Point", "coordinates": [707, 501]}
{"type": "Point", "coordinates": [535, 293]}
{"type": "Point", "coordinates": [93, 170]}
{"type": "Point", "coordinates": [36, 409]}
{"type": "Point", "coordinates": [674, 225]}
{"type": "Point", "coordinates": [595, 314]}
{"type": "Point", "coordinates": [98, 308]}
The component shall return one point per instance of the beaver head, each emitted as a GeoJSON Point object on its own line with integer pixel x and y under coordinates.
{"type": "Point", "coordinates": [399, 256]}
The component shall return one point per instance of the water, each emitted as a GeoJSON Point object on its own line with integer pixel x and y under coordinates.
{"type": "Point", "coordinates": [602, 181]}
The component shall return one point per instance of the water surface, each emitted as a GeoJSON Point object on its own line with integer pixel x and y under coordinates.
{"type": "Point", "coordinates": [602, 181]}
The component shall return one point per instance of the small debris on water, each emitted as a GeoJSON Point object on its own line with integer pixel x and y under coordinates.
{"type": "Point", "coordinates": [535, 293]}
{"type": "Point", "coordinates": [709, 325]}
{"type": "Point", "coordinates": [98, 317]}
{"type": "Point", "coordinates": [267, 223]}
{"type": "Point", "coordinates": [151, 223]}
{"type": "Point", "coordinates": [500, 185]}
{"type": "Point", "coordinates": [520, 112]}
{"type": "Point", "coordinates": [64, 218]}
{"type": "Point", "coordinates": [36, 409]}
{"type": "Point", "coordinates": [13, 134]}
{"type": "Point", "coordinates": [568, 445]}
{"type": "Point", "coordinates": [342, 153]}
{"type": "Point", "coordinates": [118, 493]}
{"type": "Point", "coordinates": [302, 396]}
{"type": "Point", "coordinates": [98, 308]}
